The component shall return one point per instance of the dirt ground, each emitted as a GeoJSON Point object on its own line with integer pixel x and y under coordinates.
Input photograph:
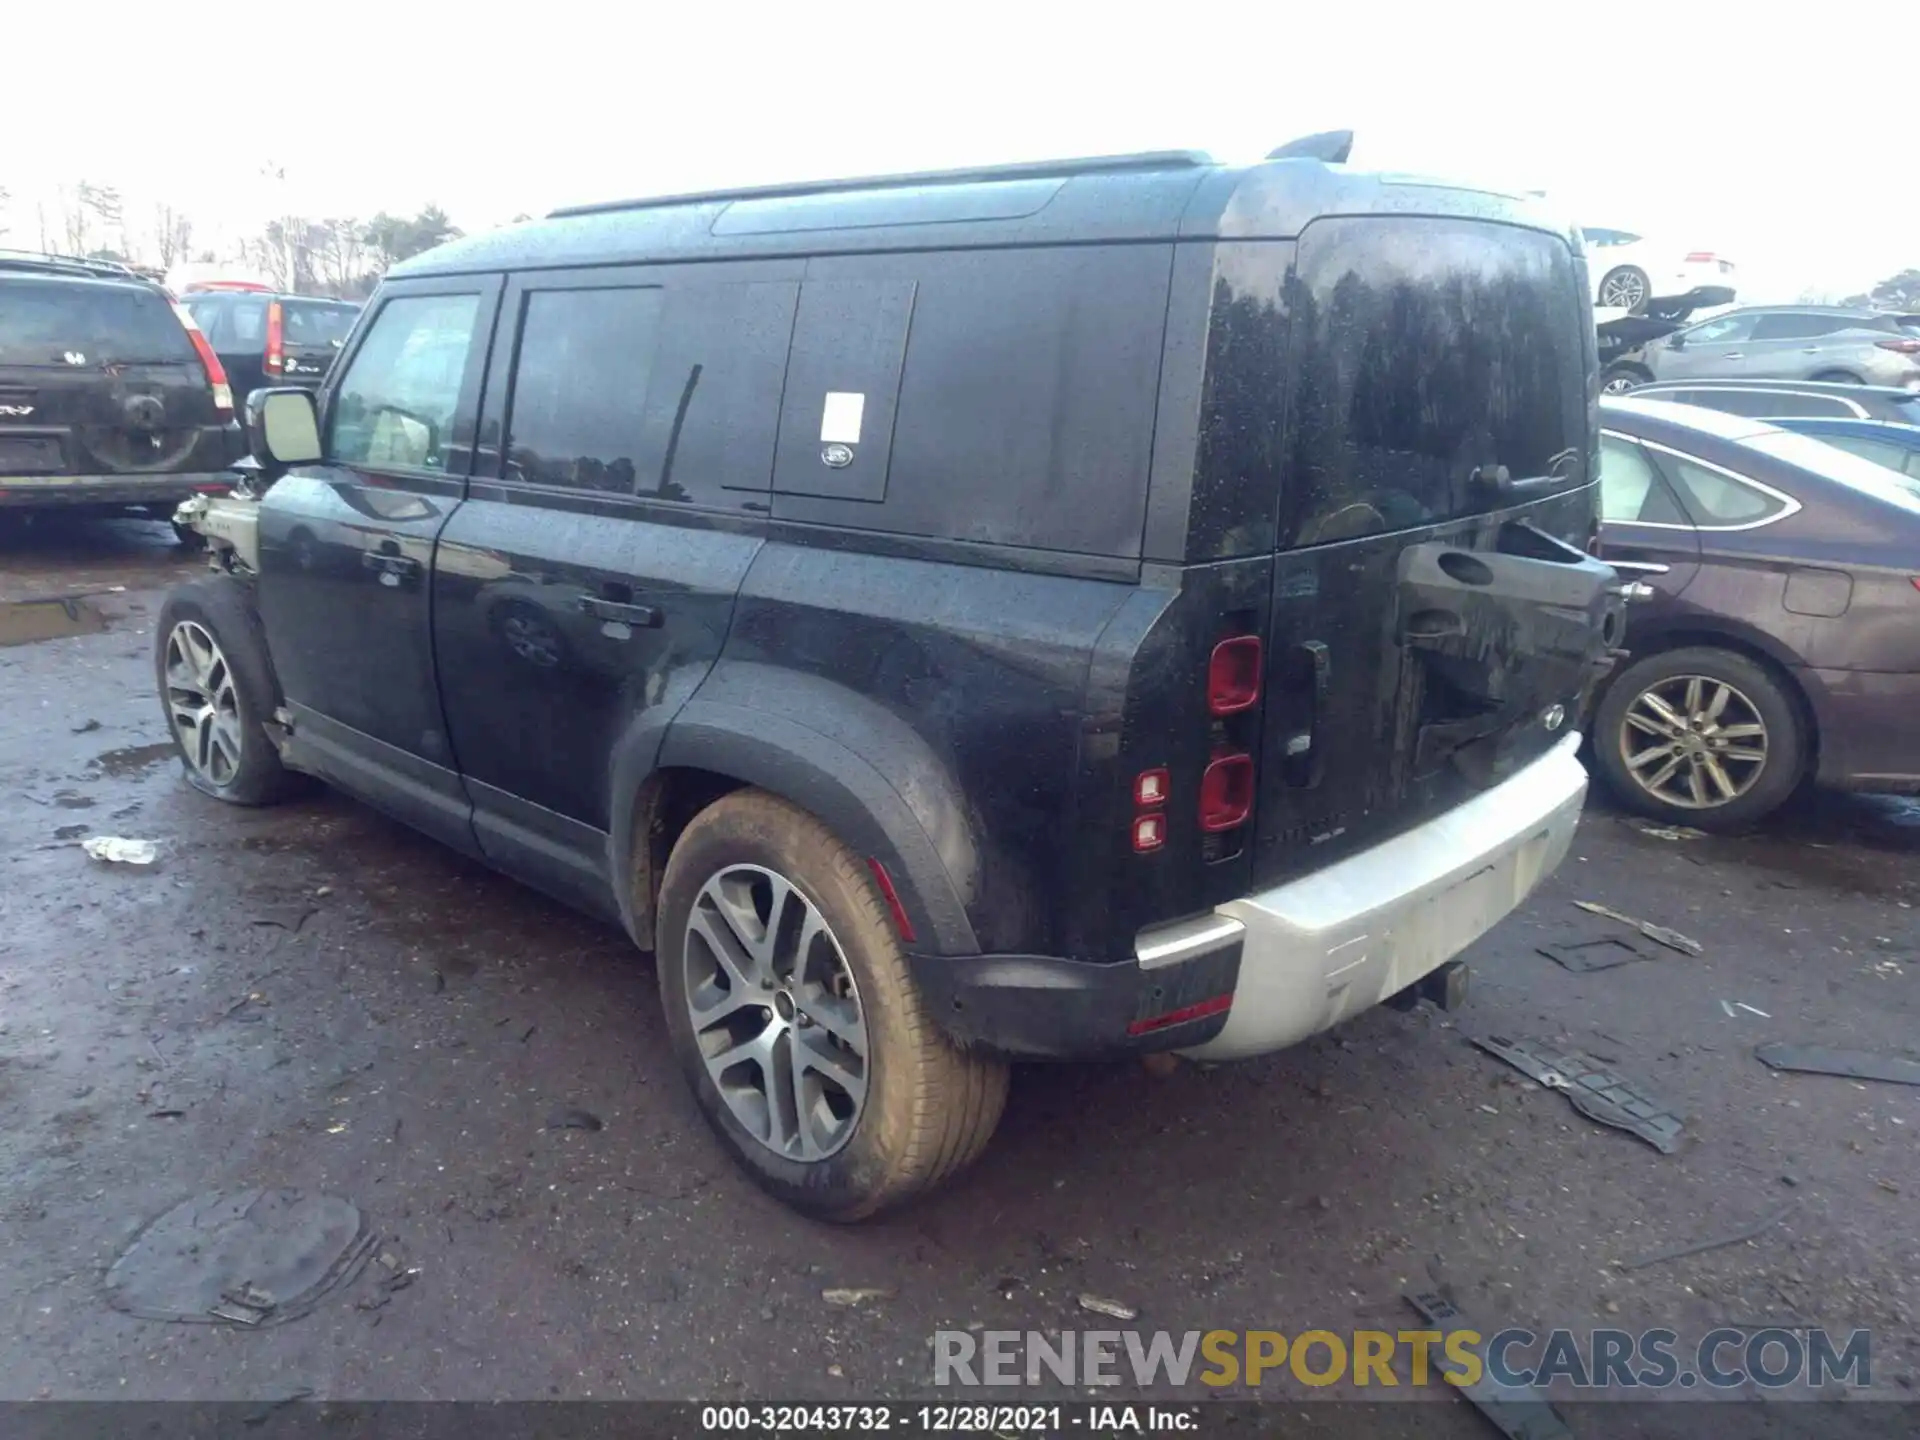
{"type": "Point", "coordinates": [311, 996]}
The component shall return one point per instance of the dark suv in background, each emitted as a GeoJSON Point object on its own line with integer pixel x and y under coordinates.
{"type": "Point", "coordinates": [1058, 611]}
{"type": "Point", "coordinates": [266, 338]}
{"type": "Point", "coordinates": [109, 397]}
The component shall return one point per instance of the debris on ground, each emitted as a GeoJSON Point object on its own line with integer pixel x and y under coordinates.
{"type": "Point", "coordinates": [287, 917]}
{"type": "Point", "coordinates": [852, 1298]}
{"type": "Point", "coordinates": [1850, 1064]}
{"type": "Point", "coordinates": [1733, 1237]}
{"type": "Point", "coordinates": [1751, 1010]}
{"type": "Point", "coordinates": [570, 1118]}
{"type": "Point", "coordinates": [87, 727]}
{"type": "Point", "coordinates": [1607, 952]}
{"type": "Point", "coordinates": [265, 1412]}
{"type": "Point", "coordinates": [1160, 1064]}
{"type": "Point", "coordinates": [243, 1257]}
{"type": "Point", "coordinates": [1667, 832]}
{"type": "Point", "coordinates": [1595, 1091]}
{"type": "Point", "coordinates": [1660, 934]}
{"type": "Point", "coordinates": [1112, 1309]}
{"type": "Point", "coordinates": [120, 850]}
{"type": "Point", "coordinates": [1520, 1414]}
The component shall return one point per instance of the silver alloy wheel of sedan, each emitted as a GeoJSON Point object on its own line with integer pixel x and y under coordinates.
{"type": "Point", "coordinates": [1694, 742]}
{"type": "Point", "coordinates": [776, 1013]}
{"type": "Point", "coordinates": [1618, 385]}
{"type": "Point", "coordinates": [203, 703]}
{"type": "Point", "coordinates": [1623, 289]}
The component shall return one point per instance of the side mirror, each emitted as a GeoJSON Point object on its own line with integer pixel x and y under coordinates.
{"type": "Point", "coordinates": [1677, 340]}
{"type": "Point", "coordinates": [282, 428]}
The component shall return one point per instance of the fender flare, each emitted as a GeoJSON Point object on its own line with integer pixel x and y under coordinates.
{"type": "Point", "coordinates": [822, 747]}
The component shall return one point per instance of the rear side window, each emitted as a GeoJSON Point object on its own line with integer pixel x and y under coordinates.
{"type": "Point", "coordinates": [88, 325]}
{"type": "Point", "coordinates": [1763, 404]}
{"type": "Point", "coordinates": [1878, 451]}
{"type": "Point", "coordinates": [395, 405]}
{"type": "Point", "coordinates": [312, 322]}
{"type": "Point", "coordinates": [1631, 490]}
{"type": "Point", "coordinates": [1715, 498]}
{"type": "Point", "coordinates": [1423, 350]}
{"type": "Point", "coordinates": [1797, 326]}
{"type": "Point", "coordinates": [581, 376]}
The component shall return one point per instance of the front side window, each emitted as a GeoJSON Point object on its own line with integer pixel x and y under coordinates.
{"type": "Point", "coordinates": [580, 387]}
{"type": "Point", "coordinates": [1631, 489]}
{"type": "Point", "coordinates": [1716, 498]}
{"type": "Point", "coordinates": [395, 405]}
{"type": "Point", "coordinates": [1727, 330]}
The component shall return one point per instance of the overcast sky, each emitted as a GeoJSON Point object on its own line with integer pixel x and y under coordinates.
{"type": "Point", "coordinates": [1702, 123]}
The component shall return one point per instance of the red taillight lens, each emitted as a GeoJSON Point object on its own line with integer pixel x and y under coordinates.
{"type": "Point", "coordinates": [1916, 582]}
{"type": "Point", "coordinates": [210, 362]}
{"type": "Point", "coordinates": [1226, 793]}
{"type": "Point", "coordinates": [1149, 832]}
{"type": "Point", "coordinates": [1233, 675]}
{"type": "Point", "coordinates": [276, 339]}
{"type": "Point", "coordinates": [1701, 257]}
{"type": "Point", "coordinates": [1150, 788]}
{"type": "Point", "coordinates": [1905, 347]}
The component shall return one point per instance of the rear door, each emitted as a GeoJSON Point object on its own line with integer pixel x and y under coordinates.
{"type": "Point", "coordinates": [1714, 349]}
{"type": "Point", "coordinates": [1645, 533]}
{"type": "Point", "coordinates": [1425, 621]}
{"type": "Point", "coordinates": [98, 380]}
{"type": "Point", "coordinates": [587, 585]}
{"type": "Point", "coordinates": [346, 552]}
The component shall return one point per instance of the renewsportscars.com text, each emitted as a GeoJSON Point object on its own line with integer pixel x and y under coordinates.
{"type": "Point", "coordinates": [1378, 1359]}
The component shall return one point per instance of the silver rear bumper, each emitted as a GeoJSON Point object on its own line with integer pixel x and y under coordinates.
{"type": "Point", "coordinates": [1320, 949]}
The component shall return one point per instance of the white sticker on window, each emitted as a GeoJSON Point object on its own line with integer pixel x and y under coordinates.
{"type": "Point", "coordinates": [840, 418]}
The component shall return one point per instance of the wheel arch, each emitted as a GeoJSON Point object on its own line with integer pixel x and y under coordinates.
{"type": "Point", "coordinates": [815, 744]}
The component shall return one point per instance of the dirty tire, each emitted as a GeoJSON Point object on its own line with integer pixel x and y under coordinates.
{"type": "Point", "coordinates": [1622, 378]}
{"type": "Point", "coordinates": [225, 609]}
{"type": "Point", "coordinates": [1839, 377]}
{"type": "Point", "coordinates": [930, 1106]}
{"type": "Point", "coordinates": [1777, 708]}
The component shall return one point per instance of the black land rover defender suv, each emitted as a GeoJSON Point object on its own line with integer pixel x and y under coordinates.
{"type": "Point", "coordinates": [1056, 611]}
{"type": "Point", "coordinates": [109, 397]}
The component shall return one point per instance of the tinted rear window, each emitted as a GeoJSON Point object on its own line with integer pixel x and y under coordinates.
{"type": "Point", "coordinates": [1839, 467]}
{"type": "Point", "coordinates": [44, 324]}
{"type": "Point", "coordinates": [311, 322]}
{"type": "Point", "coordinates": [1423, 350]}
{"type": "Point", "coordinates": [1763, 404]}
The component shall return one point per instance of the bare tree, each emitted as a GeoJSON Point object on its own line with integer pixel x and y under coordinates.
{"type": "Point", "coordinates": [341, 260]}
{"type": "Point", "coordinates": [173, 235]}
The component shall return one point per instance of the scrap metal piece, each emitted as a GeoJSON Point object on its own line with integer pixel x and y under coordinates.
{"type": "Point", "coordinates": [1672, 939]}
{"type": "Point", "coordinates": [1595, 1091]}
{"type": "Point", "coordinates": [1607, 952]}
{"type": "Point", "coordinates": [1520, 1414]}
{"type": "Point", "coordinates": [1746, 1232]}
{"type": "Point", "coordinates": [1851, 1064]}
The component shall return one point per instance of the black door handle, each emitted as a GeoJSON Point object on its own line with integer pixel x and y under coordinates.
{"type": "Point", "coordinates": [644, 616]}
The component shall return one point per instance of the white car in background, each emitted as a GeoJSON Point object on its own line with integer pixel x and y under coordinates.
{"type": "Point", "coordinates": [1637, 276]}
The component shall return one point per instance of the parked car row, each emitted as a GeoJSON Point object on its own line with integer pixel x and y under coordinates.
{"type": "Point", "coordinates": [1778, 637]}
{"type": "Point", "coordinates": [1778, 342]}
{"type": "Point", "coordinates": [114, 395]}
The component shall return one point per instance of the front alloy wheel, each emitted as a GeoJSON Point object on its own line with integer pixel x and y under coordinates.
{"type": "Point", "coordinates": [776, 1013]}
{"type": "Point", "coordinates": [1693, 742]}
{"type": "Point", "coordinates": [203, 703]}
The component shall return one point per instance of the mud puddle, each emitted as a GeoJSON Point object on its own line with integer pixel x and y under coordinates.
{"type": "Point", "coordinates": [27, 622]}
{"type": "Point", "coordinates": [131, 759]}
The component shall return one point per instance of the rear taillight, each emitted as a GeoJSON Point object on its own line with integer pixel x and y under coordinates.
{"type": "Point", "coordinates": [1700, 257]}
{"type": "Point", "coordinates": [1233, 675]}
{"type": "Point", "coordinates": [1150, 790]}
{"type": "Point", "coordinates": [1916, 582]}
{"type": "Point", "coordinates": [1905, 347]}
{"type": "Point", "coordinates": [210, 362]}
{"type": "Point", "coordinates": [276, 359]}
{"type": "Point", "coordinates": [1226, 792]}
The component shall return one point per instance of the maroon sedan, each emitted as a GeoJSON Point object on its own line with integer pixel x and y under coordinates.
{"type": "Point", "coordinates": [1778, 635]}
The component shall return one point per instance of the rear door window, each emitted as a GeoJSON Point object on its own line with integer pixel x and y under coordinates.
{"type": "Point", "coordinates": [1631, 490]}
{"type": "Point", "coordinates": [315, 322]}
{"type": "Point", "coordinates": [1878, 451]}
{"type": "Point", "coordinates": [88, 324]}
{"type": "Point", "coordinates": [1423, 350]}
{"type": "Point", "coordinates": [1798, 326]}
{"type": "Point", "coordinates": [1764, 404]}
{"type": "Point", "coordinates": [578, 388]}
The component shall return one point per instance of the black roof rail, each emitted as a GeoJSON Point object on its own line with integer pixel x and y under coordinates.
{"type": "Point", "coordinates": [66, 265]}
{"type": "Point", "coordinates": [1023, 170]}
{"type": "Point", "coordinates": [1331, 146]}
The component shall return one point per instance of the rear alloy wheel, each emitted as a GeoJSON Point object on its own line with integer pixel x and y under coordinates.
{"type": "Point", "coordinates": [1700, 735]}
{"type": "Point", "coordinates": [1626, 288]}
{"type": "Point", "coordinates": [1619, 382]}
{"type": "Point", "coordinates": [794, 1017]}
